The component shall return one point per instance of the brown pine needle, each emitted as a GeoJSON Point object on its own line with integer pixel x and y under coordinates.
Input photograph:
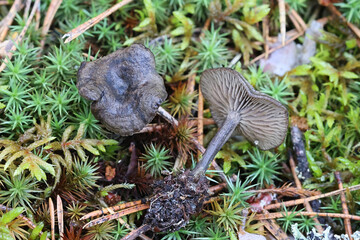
{"type": "Point", "coordinates": [137, 232]}
{"type": "Point", "coordinates": [85, 26]}
{"type": "Point", "coordinates": [200, 123]}
{"type": "Point", "coordinates": [288, 191]}
{"type": "Point", "coordinates": [265, 26]}
{"type": "Point", "coordinates": [297, 18]}
{"type": "Point", "coordinates": [50, 14]}
{"type": "Point", "coordinates": [309, 199]}
{"type": "Point", "coordinates": [274, 228]}
{"type": "Point", "coordinates": [282, 13]}
{"type": "Point", "coordinates": [117, 215]}
{"type": "Point", "coordinates": [7, 21]}
{"type": "Point", "coordinates": [354, 28]}
{"type": "Point", "coordinates": [345, 209]}
{"type": "Point", "coordinates": [114, 209]}
{"type": "Point", "coordinates": [20, 37]}
{"type": "Point", "coordinates": [52, 218]}
{"type": "Point", "coordinates": [331, 215]}
{"type": "Point", "coordinates": [60, 216]}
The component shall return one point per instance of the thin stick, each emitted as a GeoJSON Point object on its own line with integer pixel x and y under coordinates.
{"type": "Point", "coordinates": [274, 228]}
{"type": "Point", "coordinates": [282, 13]}
{"type": "Point", "coordinates": [295, 22]}
{"type": "Point", "coordinates": [20, 37]}
{"type": "Point", "coordinates": [27, 9]}
{"type": "Point", "coordinates": [309, 199]}
{"type": "Point", "coordinates": [52, 218]}
{"type": "Point", "coordinates": [117, 215]}
{"type": "Point", "coordinates": [200, 123]}
{"type": "Point", "coordinates": [37, 19]}
{"type": "Point", "coordinates": [135, 233]}
{"type": "Point", "coordinates": [297, 17]}
{"type": "Point", "coordinates": [121, 221]}
{"type": "Point", "coordinates": [114, 208]}
{"type": "Point", "coordinates": [265, 26]}
{"type": "Point", "coordinates": [345, 209]}
{"type": "Point", "coordinates": [299, 186]}
{"type": "Point", "coordinates": [4, 2]}
{"type": "Point", "coordinates": [60, 216]}
{"type": "Point", "coordinates": [7, 21]}
{"type": "Point", "coordinates": [50, 14]}
{"type": "Point", "coordinates": [85, 26]}
{"type": "Point", "coordinates": [355, 29]}
{"type": "Point", "coordinates": [331, 215]}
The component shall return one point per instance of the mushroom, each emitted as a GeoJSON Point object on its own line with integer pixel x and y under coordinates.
{"type": "Point", "coordinates": [125, 89]}
{"type": "Point", "coordinates": [236, 105]}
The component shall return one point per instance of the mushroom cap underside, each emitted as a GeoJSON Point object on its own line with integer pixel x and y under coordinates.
{"type": "Point", "coordinates": [263, 120]}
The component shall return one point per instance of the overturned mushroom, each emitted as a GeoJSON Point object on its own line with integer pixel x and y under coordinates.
{"type": "Point", "coordinates": [236, 105]}
{"type": "Point", "coordinates": [125, 89]}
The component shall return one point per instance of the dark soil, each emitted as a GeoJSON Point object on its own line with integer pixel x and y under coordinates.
{"type": "Point", "coordinates": [176, 199]}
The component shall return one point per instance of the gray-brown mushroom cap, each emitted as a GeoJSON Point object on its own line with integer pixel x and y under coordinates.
{"type": "Point", "coordinates": [263, 120]}
{"type": "Point", "coordinates": [125, 89]}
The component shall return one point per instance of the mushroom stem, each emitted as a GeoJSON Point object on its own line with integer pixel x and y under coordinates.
{"type": "Point", "coordinates": [232, 120]}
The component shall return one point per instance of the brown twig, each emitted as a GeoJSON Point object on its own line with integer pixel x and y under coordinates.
{"type": "Point", "coordinates": [265, 26]}
{"type": "Point", "coordinates": [37, 19]}
{"type": "Point", "coordinates": [117, 215]}
{"type": "Point", "coordinates": [60, 216]}
{"type": "Point", "coordinates": [331, 215]}
{"type": "Point", "coordinates": [135, 233]}
{"type": "Point", "coordinates": [7, 21]}
{"type": "Point", "coordinates": [334, 10]}
{"type": "Point", "coordinates": [114, 208]}
{"type": "Point", "coordinates": [20, 37]}
{"type": "Point", "coordinates": [52, 218]}
{"type": "Point", "coordinates": [295, 22]}
{"type": "Point", "coordinates": [50, 14]}
{"type": "Point", "coordinates": [74, 33]}
{"type": "Point", "coordinates": [274, 228]}
{"type": "Point", "coordinates": [297, 17]}
{"type": "Point", "coordinates": [191, 86]}
{"type": "Point", "coordinates": [287, 190]}
{"type": "Point", "coordinates": [4, 2]}
{"type": "Point", "coordinates": [200, 123]}
{"type": "Point", "coordinates": [282, 14]}
{"type": "Point", "coordinates": [309, 199]}
{"type": "Point", "coordinates": [299, 186]}
{"type": "Point", "coordinates": [27, 9]}
{"type": "Point", "coordinates": [345, 209]}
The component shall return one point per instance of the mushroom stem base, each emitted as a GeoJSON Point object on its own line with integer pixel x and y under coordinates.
{"type": "Point", "coordinates": [175, 200]}
{"type": "Point", "coordinates": [232, 120]}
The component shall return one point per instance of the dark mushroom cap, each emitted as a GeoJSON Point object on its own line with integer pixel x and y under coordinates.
{"type": "Point", "coordinates": [263, 120]}
{"type": "Point", "coordinates": [125, 89]}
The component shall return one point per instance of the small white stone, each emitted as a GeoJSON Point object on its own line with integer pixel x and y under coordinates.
{"type": "Point", "coordinates": [256, 142]}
